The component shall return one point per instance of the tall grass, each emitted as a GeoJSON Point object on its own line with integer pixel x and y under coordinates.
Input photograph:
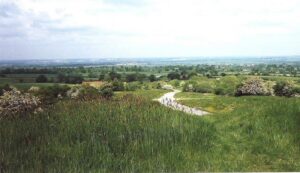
{"type": "Point", "coordinates": [258, 134]}
{"type": "Point", "coordinates": [129, 134]}
{"type": "Point", "coordinates": [134, 134]}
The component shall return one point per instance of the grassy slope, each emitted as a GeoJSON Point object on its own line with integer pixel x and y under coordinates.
{"type": "Point", "coordinates": [133, 134]}
{"type": "Point", "coordinates": [130, 134]}
{"type": "Point", "coordinates": [255, 133]}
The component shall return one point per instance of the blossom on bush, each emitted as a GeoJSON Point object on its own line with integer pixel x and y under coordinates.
{"type": "Point", "coordinates": [14, 102]}
{"type": "Point", "coordinates": [252, 86]}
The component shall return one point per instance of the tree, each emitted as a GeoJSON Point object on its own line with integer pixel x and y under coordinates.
{"type": "Point", "coordinates": [152, 78]}
{"type": "Point", "coordinates": [102, 76]}
{"type": "Point", "coordinates": [173, 75]}
{"type": "Point", "coordinates": [114, 75]}
{"type": "Point", "coordinates": [75, 79]}
{"type": "Point", "coordinates": [223, 74]}
{"type": "Point", "coordinates": [131, 77]}
{"type": "Point", "coordinates": [41, 79]}
{"type": "Point", "coordinates": [60, 78]}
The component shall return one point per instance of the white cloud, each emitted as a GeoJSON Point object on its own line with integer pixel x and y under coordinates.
{"type": "Point", "coordinates": [151, 27]}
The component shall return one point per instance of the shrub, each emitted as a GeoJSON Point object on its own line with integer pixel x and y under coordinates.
{"type": "Point", "coordinates": [269, 88]}
{"type": "Point", "coordinates": [132, 86]}
{"type": "Point", "coordinates": [219, 91]}
{"type": "Point", "coordinates": [87, 92]}
{"type": "Point", "coordinates": [173, 75]}
{"type": "Point", "coordinates": [189, 86]}
{"type": "Point", "coordinates": [72, 79]}
{"type": "Point", "coordinates": [283, 88]}
{"type": "Point", "coordinates": [106, 91]}
{"type": "Point", "coordinates": [4, 88]}
{"type": "Point", "coordinates": [158, 86]}
{"type": "Point", "coordinates": [14, 103]}
{"type": "Point", "coordinates": [50, 93]}
{"type": "Point", "coordinates": [152, 78]}
{"type": "Point", "coordinates": [227, 84]}
{"type": "Point", "coordinates": [41, 79]}
{"type": "Point", "coordinates": [203, 88]}
{"type": "Point", "coordinates": [296, 90]}
{"type": "Point", "coordinates": [252, 86]}
{"type": "Point", "coordinates": [118, 86]}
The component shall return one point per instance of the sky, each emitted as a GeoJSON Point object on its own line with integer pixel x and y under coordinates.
{"type": "Point", "coordinates": [66, 29]}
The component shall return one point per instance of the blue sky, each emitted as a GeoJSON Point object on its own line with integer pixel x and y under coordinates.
{"type": "Point", "coordinates": [44, 29]}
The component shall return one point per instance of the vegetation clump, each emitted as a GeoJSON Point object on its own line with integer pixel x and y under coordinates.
{"type": "Point", "coordinates": [4, 88]}
{"type": "Point", "coordinates": [50, 93]}
{"type": "Point", "coordinates": [41, 79]}
{"type": "Point", "coordinates": [284, 88]}
{"type": "Point", "coordinates": [106, 91]}
{"type": "Point", "coordinates": [252, 86]}
{"type": "Point", "coordinates": [14, 103]}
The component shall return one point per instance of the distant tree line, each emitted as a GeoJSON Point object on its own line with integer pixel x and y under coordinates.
{"type": "Point", "coordinates": [28, 71]}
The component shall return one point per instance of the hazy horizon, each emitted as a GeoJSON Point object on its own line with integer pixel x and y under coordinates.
{"type": "Point", "coordinates": [112, 29]}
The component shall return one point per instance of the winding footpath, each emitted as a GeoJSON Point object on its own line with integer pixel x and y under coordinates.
{"type": "Point", "coordinates": [169, 101]}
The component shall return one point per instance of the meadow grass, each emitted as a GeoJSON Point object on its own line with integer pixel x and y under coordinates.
{"type": "Point", "coordinates": [128, 134]}
{"type": "Point", "coordinates": [146, 94]}
{"type": "Point", "coordinates": [256, 133]}
{"type": "Point", "coordinates": [208, 102]}
{"type": "Point", "coordinates": [131, 133]}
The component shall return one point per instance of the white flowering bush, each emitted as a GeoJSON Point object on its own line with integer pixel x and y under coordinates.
{"type": "Point", "coordinates": [15, 103]}
{"type": "Point", "coordinates": [252, 86]}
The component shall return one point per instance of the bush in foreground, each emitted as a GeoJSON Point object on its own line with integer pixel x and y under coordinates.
{"type": "Point", "coordinates": [14, 103]}
{"type": "Point", "coordinates": [4, 88]}
{"type": "Point", "coordinates": [50, 93]}
{"type": "Point", "coordinates": [106, 91]}
{"type": "Point", "coordinates": [283, 88]}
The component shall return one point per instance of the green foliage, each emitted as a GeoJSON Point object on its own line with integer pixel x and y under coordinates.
{"type": "Point", "coordinates": [118, 86]}
{"type": "Point", "coordinates": [50, 93]}
{"type": "Point", "coordinates": [219, 91]}
{"type": "Point", "coordinates": [199, 84]}
{"type": "Point", "coordinates": [173, 75]}
{"type": "Point", "coordinates": [88, 93]}
{"type": "Point", "coordinates": [296, 90]}
{"type": "Point", "coordinates": [152, 78]}
{"type": "Point", "coordinates": [114, 76]}
{"type": "Point", "coordinates": [283, 88]}
{"type": "Point", "coordinates": [158, 86]}
{"type": "Point", "coordinates": [41, 79]}
{"type": "Point", "coordinates": [70, 79]}
{"type": "Point", "coordinates": [106, 91]}
{"type": "Point", "coordinates": [132, 86]}
{"type": "Point", "coordinates": [226, 85]}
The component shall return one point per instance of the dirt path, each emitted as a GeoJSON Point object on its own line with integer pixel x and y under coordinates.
{"type": "Point", "coordinates": [169, 101]}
